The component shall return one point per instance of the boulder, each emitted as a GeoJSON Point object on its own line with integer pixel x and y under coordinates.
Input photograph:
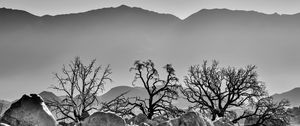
{"type": "Point", "coordinates": [29, 111]}
{"type": "Point", "coordinates": [140, 118]}
{"type": "Point", "coordinates": [62, 124]}
{"type": "Point", "coordinates": [271, 122]}
{"type": "Point", "coordinates": [3, 124]}
{"type": "Point", "coordinates": [192, 119]}
{"type": "Point", "coordinates": [143, 124]}
{"type": "Point", "coordinates": [223, 122]}
{"type": "Point", "coordinates": [187, 119]}
{"type": "Point", "coordinates": [85, 114]}
{"type": "Point", "coordinates": [160, 119]}
{"type": "Point", "coordinates": [208, 121]}
{"type": "Point", "coordinates": [103, 119]}
{"type": "Point", "coordinates": [165, 124]}
{"type": "Point", "coordinates": [175, 122]}
{"type": "Point", "coordinates": [149, 123]}
{"type": "Point", "coordinates": [172, 122]}
{"type": "Point", "coordinates": [66, 124]}
{"type": "Point", "coordinates": [137, 120]}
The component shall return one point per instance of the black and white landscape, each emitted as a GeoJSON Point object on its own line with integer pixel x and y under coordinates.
{"type": "Point", "coordinates": [33, 48]}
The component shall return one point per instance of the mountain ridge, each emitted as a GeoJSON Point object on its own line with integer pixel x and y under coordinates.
{"type": "Point", "coordinates": [291, 95]}
{"type": "Point", "coordinates": [126, 7]}
{"type": "Point", "coordinates": [141, 33]}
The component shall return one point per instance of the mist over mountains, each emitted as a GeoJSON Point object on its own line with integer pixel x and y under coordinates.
{"type": "Point", "coordinates": [291, 95]}
{"type": "Point", "coordinates": [34, 47]}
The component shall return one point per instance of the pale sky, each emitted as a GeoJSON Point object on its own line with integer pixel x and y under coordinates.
{"type": "Point", "coordinates": [27, 74]}
{"type": "Point", "coordinates": [180, 8]}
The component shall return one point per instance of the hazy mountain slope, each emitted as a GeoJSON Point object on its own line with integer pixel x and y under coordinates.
{"type": "Point", "coordinates": [4, 105]}
{"type": "Point", "coordinates": [139, 32]}
{"type": "Point", "coordinates": [15, 19]}
{"type": "Point", "coordinates": [116, 91]}
{"type": "Point", "coordinates": [227, 35]}
{"type": "Point", "coordinates": [49, 96]}
{"type": "Point", "coordinates": [291, 95]}
{"type": "Point", "coordinates": [120, 35]}
{"type": "Point", "coordinates": [136, 92]}
{"type": "Point", "coordinates": [118, 16]}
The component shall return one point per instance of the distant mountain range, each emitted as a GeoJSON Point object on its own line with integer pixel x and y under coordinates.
{"type": "Point", "coordinates": [49, 96]}
{"type": "Point", "coordinates": [117, 91]}
{"type": "Point", "coordinates": [128, 32]}
{"type": "Point", "coordinates": [149, 31]}
{"type": "Point", "coordinates": [291, 95]}
{"type": "Point", "coordinates": [138, 92]}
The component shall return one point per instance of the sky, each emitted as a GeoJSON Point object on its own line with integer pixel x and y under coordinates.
{"type": "Point", "coordinates": [180, 8]}
{"type": "Point", "coordinates": [281, 74]}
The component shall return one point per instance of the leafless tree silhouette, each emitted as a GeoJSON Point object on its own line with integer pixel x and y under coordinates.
{"type": "Point", "coordinates": [80, 83]}
{"type": "Point", "coordinates": [160, 92]}
{"type": "Point", "coordinates": [266, 112]}
{"type": "Point", "coordinates": [217, 89]}
{"type": "Point", "coordinates": [119, 105]}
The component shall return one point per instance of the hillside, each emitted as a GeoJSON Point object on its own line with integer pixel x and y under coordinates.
{"type": "Point", "coordinates": [4, 105]}
{"type": "Point", "coordinates": [49, 96]}
{"type": "Point", "coordinates": [116, 91]}
{"type": "Point", "coordinates": [137, 92]}
{"type": "Point", "coordinates": [121, 35]}
{"type": "Point", "coordinates": [291, 95]}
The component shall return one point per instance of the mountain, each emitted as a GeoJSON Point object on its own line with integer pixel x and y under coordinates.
{"type": "Point", "coordinates": [15, 19]}
{"type": "Point", "coordinates": [117, 91]}
{"type": "Point", "coordinates": [120, 35]}
{"type": "Point", "coordinates": [137, 92]}
{"type": "Point", "coordinates": [291, 95]}
{"type": "Point", "coordinates": [49, 96]}
{"type": "Point", "coordinates": [4, 105]}
{"type": "Point", "coordinates": [54, 37]}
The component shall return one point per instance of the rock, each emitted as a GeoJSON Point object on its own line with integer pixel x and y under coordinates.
{"type": "Point", "coordinates": [208, 121]}
{"type": "Point", "coordinates": [85, 114]}
{"type": "Point", "coordinates": [62, 124]}
{"type": "Point", "coordinates": [192, 119]}
{"type": "Point", "coordinates": [187, 119]}
{"type": "Point", "coordinates": [29, 111]}
{"type": "Point", "coordinates": [149, 123]}
{"type": "Point", "coordinates": [137, 120]}
{"type": "Point", "coordinates": [223, 122]}
{"type": "Point", "coordinates": [175, 122]}
{"type": "Point", "coordinates": [144, 124]}
{"type": "Point", "coordinates": [130, 121]}
{"type": "Point", "coordinates": [140, 118]}
{"type": "Point", "coordinates": [165, 124]}
{"type": "Point", "coordinates": [271, 122]}
{"type": "Point", "coordinates": [66, 124]}
{"type": "Point", "coordinates": [160, 119]}
{"type": "Point", "coordinates": [3, 124]}
{"type": "Point", "coordinates": [103, 119]}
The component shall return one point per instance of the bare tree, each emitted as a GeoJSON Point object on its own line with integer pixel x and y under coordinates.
{"type": "Point", "coordinates": [217, 89]}
{"type": "Point", "coordinates": [80, 83]}
{"type": "Point", "coordinates": [266, 112]}
{"type": "Point", "coordinates": [160, 92]}
{"type": "Point", "coordinates": [119, 105]}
